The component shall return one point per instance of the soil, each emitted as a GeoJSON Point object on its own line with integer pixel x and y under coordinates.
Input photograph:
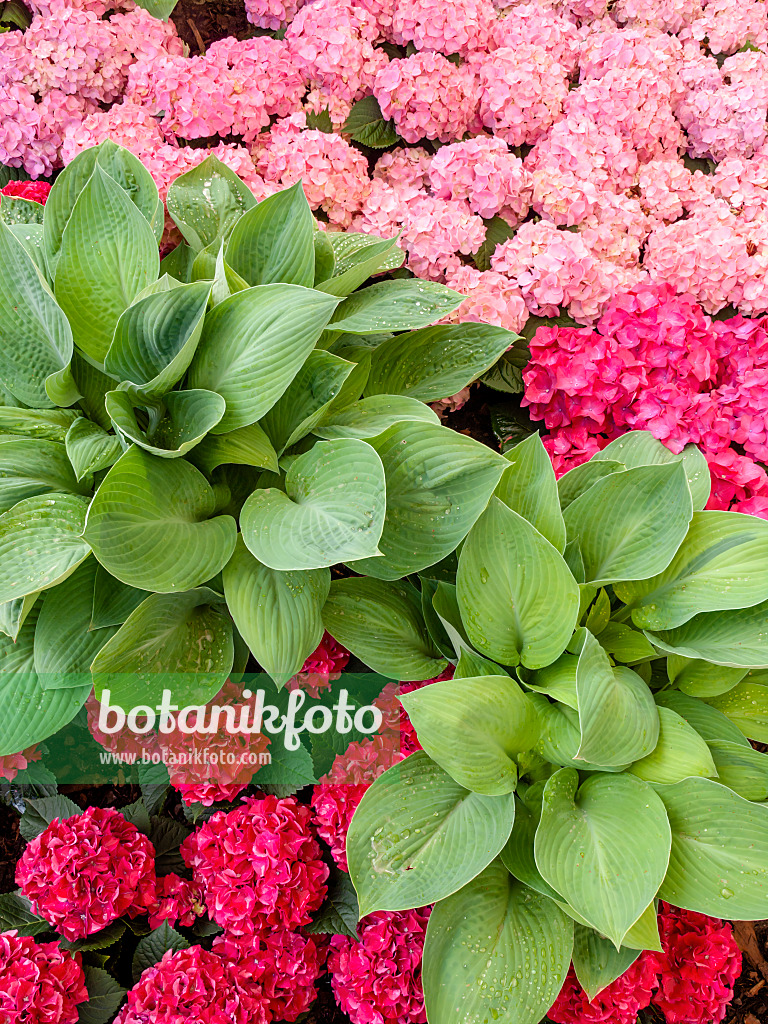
{"type": "Point", "coordinates": [201, 22]}
{"type": "Point", "coordinates": [750, 1002]}
{"type": "Point", "coordinates": [11, 847]}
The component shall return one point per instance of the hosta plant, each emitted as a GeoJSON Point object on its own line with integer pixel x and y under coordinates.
{"type": "Point", "coordinates": [186, 447]}
{"type": "Point", "coordinates": [591, 754]}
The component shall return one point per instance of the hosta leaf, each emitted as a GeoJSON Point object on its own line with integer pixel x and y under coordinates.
{"type": "Point", "coordinates": [36, 336]}
{"type": "Point", "coordinates": [640, 448]}
{"type": "Point", "coordinates": [417, 836]}
{"type": "Point", "coordinates": [561, 737]}
{"type": "Point", "coordinates": [15, 210]}
{"type": "Point", "coordinates": [625, 644]}
{"type": "Point", "coordinates": [113, 601]}
{"type": "Point", "coordinates": [719, 859]}
{"type": "Point", "coordinates": [189, 415]}
{"type": "Point", "coordinates": [517, 856]}
{"type": "Point", "coordinates": [597, 962]}
{"type": "Point", "coordinates": [529, 488]}
{"type": "Point", "coordinates": [607, 872]}
{"type": "Point", "coordinates": [746, 705]}
{"type": "Point", "coordinates": [31, 237]}
{"type": "Point", "coordinates": [277, 613]}
{"type": "Point", "coordinates": [333, 510]}
{"type": "Point", "coordinates": [482, 940]}
{"type": "Point", "coordinates": [576, 481]}
{"type": "Point", "coordinates": [13, 614]}
{"type": "Point", "coordinates": [274, 241]}
{"type": "Point", "coordinates": [31, 714]}
{"type": "Point", "coordinates": [382, 624]}
{"type": "Point", "coordinates": [181, 642]}
{"type": "Point", "coordinates": [679, 754]}
{"type": "Point", "coordinates": [395, 306]}
{"type": "Point", "coordinates": [48, 424]}
{"type": "Point", "coordinates": [65, 646]}
{"type": "Point", "coordinates": [473, 728]}
{"type": "Point", "coordinates": [700, 678]}
{"type": "Point", "coordinates": [558, 680]}
{"type": "Point", "coordinates": [254, 344]}
{"type": "Point", "coordinates": [206, 202]}
{"type": "Point", "coordinates": [741, 769]}
{"type": "Point", "coordinates": [123, 167]}
{"type": "Point", "coordinates": [307, 399]}
{"type": "Point", "coordinates": [435, 362]}
{"type": "Point", "coordinates": [149, 524]}
{"type": "Point", "coordinates": [438, 483]}
{"type": "Point", "coordinates": [358, 256]}
{"type": "Point", "coordinates": [708, 722]}
{"type": "Point", "coordinates": [30, 467]}
{"type": "Point", "coordinates": [722, 563]}
{"type": "Point", "coordinates": [155, 338]}
{"type": "Point", "coordinates": [618, 718]}
{"type": "Point", "coordinates": [629, 525]}
{"type": "Point", "coordinates": [90, 448]}
{"type": "Point", "coordinates": [325, 257]}
{"type": "Point", "coordinates": [518, 599]}
{"type": "Point", "coordinates": [108, 254]}
{"type": "Point", "coordinates": [372, 416]}
{"type": "Point", "coordinates": [40, 543]}
{"type": "Point", "coordinates": [93, 386]}
{"type": "Point", "coordinates": [246, 446]}
{"type": "Point", "coordinates": [737, 638]}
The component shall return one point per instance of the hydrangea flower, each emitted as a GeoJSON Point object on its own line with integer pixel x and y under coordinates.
{"type": "Point", "coordinates": [459, 27]}
{"type": "Point", "coordinates": [485, 173]}
{"type": "Point", "coordinates": [12, 764]}
{"type": "Point", "coordinates": [619, 1003]}
{"type": "Point", "coordinates": [39, 982]}
{"type": "Point", "coordinates": [322, 667]}
{"type": "Point", "coordinates": [177, 901]}
{"type": "Point", "coordinates": [36, 192]}
{"type": "Point", "coordinates": [83, 873]}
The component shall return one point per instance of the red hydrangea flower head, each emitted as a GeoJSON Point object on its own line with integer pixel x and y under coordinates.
{"type": "Point", "coordinates": [12, 764]}
{"type": "Point", "coordinates": [39, 982]}
{"type": "Point", "coordinates": [260, 865]}
{"type": "Point", "coordinates": [83, 873]}
{"type": "Point", "coordinates": [325, 664]}
{"type": "Point", "coordinates": [619, 1003]}
{"type": "Point", "coordinates": [699, 965]}
{"type": "Point", "coordinates": [37, 191]}
{"type": "Point", "coordinates": [377, 978]}
{"type": "Point", "coordinates": [177, 901]}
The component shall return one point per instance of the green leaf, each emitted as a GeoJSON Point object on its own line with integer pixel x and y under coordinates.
{"type": "Point", "coordinates": [246, 446]}
{"type": "Point", "coordinates": [700, 678]}
{"type": "Point", "coordinates": [518, 600]}
{"type": "Point", "coordinates": [181, 642]}
{"type": "Point", "coordinates": [124, 168]}
{"type": "Point", "coordinates": [473, 728]}
{"type": "Point", "coordinates": [746, 705]}
{"type": "Point", "coordinates": [99, 940]}
{"type": "Point", "coordinates": [274, 241]}
{"type": "Point", "coordinates": [497, 231]}
{"type": "Point", "coordinates": [372, 416]}
{"type": "Point", "coordinates": [40, 543]}
{"type": "Point", "coordinates": [485, 940]}
{"type": "Point", "coordinates": [395, 306]}
{"type": "Point", "coordinates": [366, 125]}
{"type": "Point", "coordinates": [93, 386]}
{"type": "Point", "coordinates": [561, 737]}
{"type": "Point", "coordinates": [438, 483]}
{"type": "Point", "coordinates": [709, 723]}
{"type": "Point", "coordinates": [14, 210]}
{"type": "Point", "coordinates": [13, 614]}
{"type": "Point", "coordinates": [737, 638]}
{"type": "Point", "coordinates": [206, 202]}
{"type": "Point", "coordinates": [679, 754]}
{"type": "Point", "coordinates": [154, 946]}
{"type": "Point", "coordinates": [108, 254]}
{"type": "Point", "coordinates": [435, 362]}
{"type": "Point", "coordinates": [178, 263]}
{"type": "Point", "coordinates": [254, 344]}
{"type": "Point", "coordinates": [358, 256]}
{"type": "Point", "coordinates": [39, 814]}
{"type": "Point", "coordinates": [89, 448]}
{"type": "Point", "coordinates": [158, 9]}
{"type": "Point", "coordinates": [48, 424]}
{"type": "Point", "coordinates": [529, 488]}
{"type": "Point", "coordinates": [277, 613]}
{"type": "Point", "coordinates": [31, 467]}
{"type": "Point", "coordinates": [578, 480]}
{"type": "Point", "coordinates": [189, 415]}
{"type": "Point", "coordinates": [607, 872]}
{"type": "Point", "coordinates": [640, 448]}
{"type": "Point", "coordinates": [597, 962]}
{"type": "Point", "coordinates": [382, 624]}
{"type": "Point", "coordinates": [618, 718]}
{"type": "Point", "coordinates": [741, 769]}
{"type": "Point", "coordinates": [625, 644]}
{"type": "Point", "coordinates": [113, 601]}
{"type": "Point", "coordinates": [506, 375]}
{"type": "Point", "coordinates": [65, 646]}
{"type": "Point", "coordinates": [333, 510]}
{"type": "Point", "coordinates": [36, 334]}
{"type": "Point", "coordinates": [156, 338]}
{"type": "Point", "coordinates": [339, 913]}
{"type": "Point", "coordinates": [517, 856]}
{"type": "Point", "coordinates": [15, 914]}
{"type": "Point", "coordinates": [149, 524]}
{"type": "Point", "coordinates": [719, 859]}
{"type": "Point", "coordinates": [629, 525]}
{"type": "Point", "coordinates": [104, 993]}
{"type": "Point", "coordinates": [31, 237]}
{"type": "Point", "coordinates": [558, 680]}
{"type": "Point", "coordinates": [722, 563]}
{"type": "Point", "coordinates": [308, 398]}
{"type": "Point", "coordinates": [417, 836]}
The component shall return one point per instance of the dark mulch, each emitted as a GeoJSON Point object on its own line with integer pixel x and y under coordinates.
{"type": "Point", "coordinates": [11, 847]}
{"type": "Point", "coordinates": [750, 1002]}
{"type": "Point", "coordinates": [201, 22]}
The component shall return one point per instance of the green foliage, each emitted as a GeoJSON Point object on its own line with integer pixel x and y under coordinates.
{"type": "Point", "coordinates": [609, 639]}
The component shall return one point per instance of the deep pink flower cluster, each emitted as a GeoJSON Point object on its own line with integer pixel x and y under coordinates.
{"type": "Point", "coordinates": [12, 764]}
{"type": "Point", "coordinates": [322, 667]}
{"type": "Point", "coordinates": [39, 982]}
{"type": "Point", "coordinates": [619, 1003]}
{"type": "Point", "coordinates": [259, 865]}
{"type": "Point", "coordinates": [655, 361]}
{"type": "Point", "coordinates": [83, 873]}
{"type": "Point", "coordinates": [36, 191]}
{"type": "Point", "coordinates": [177, 901]}
{"type": "Point", "coordinates": [377, 978]}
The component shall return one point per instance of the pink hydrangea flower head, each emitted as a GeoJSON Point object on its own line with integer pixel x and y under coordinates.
{"type": "Point", "coordinates": [259, 864]}
{"type": "Point", "coordinates": [12, 764]}
{"type": "Point", "coordinates": [435, 229]}
{"type": "Point", "coordinates": [555, 31]}
{"type": "Point", "coordinates": [272, 14]}
{"type": "Point", "coordinates": [376, 978]}
{"type": "Point", "coordinates": [40, 983]}
{"type": "Point", "coordinates": [484, 172]}
{"type": "Point", "coordinates": [83, 873]}
{"type": "Point", "coordinates": [406, 170]}
{"type": "Point", "coordinates": [619, 1003]}
{"type": "Point", "coordinates": [322, 667]}
{"type": "Point", "coordinates": [664, 15]}
{"type": "Point", "coordinates": [460, 27]}
{"type": "Point", "coordinates": [492, 298]}
{"type": "Point", "coordinates": [727, 25]}
{"type": "Point", "coordinates": [177, 901]}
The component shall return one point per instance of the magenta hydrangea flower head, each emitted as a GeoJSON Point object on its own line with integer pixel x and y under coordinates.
{"type": "Point", "coordinates": [619, 1003]}
{"type": "Point", "coordinates": [40, 983]}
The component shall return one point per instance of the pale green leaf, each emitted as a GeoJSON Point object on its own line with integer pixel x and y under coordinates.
{"type": "Point", "coordinates": [746, 705]}
{"type": "Point", "coordinates": [640, 448]}
{"type": "Point", "coordinates": [274, 241]}
{"type": "Point", "coordinates": [189, 415]}
{"type": "Point", "coordinates": [372, 416]}
{"type": "Point", "coordinates": [736, 638]}
{"type": "Point", "coordinates": [679, 754]}
{"type": "Point", "coordinates": [30, 466]}
{"type": "Point", "coordinates": [395, 306]}
{"type": "Point", "coordinates": [708, 722]}
{"type": "Point", "coordinates": [90, 448]}
{"type": "Point", "coordinates": [597, 962]}
{"type": "Point", "coordinates": [246, 446]}
{"type": "Point", "coordinates": [529, 488]}
{"type": "Point", "coordinates": [207, 201]}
